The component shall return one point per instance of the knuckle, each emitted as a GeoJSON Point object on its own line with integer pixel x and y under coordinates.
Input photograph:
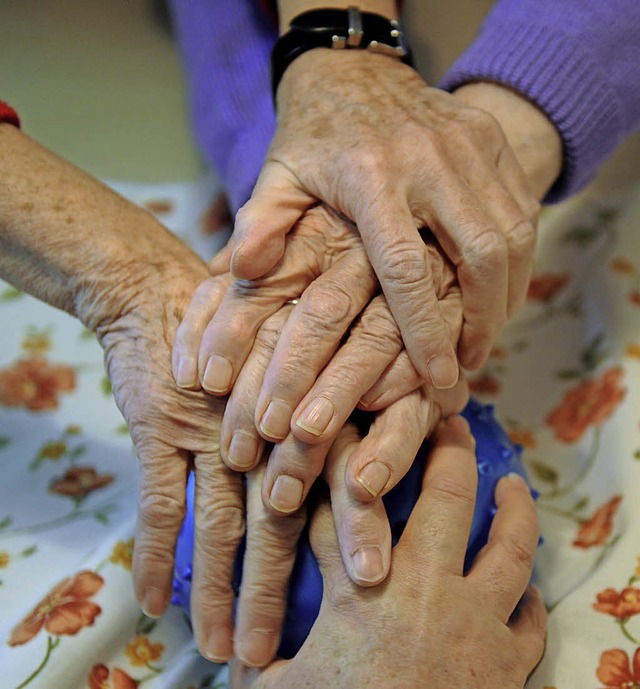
{"type": "Point", "coordinates": [223, 521]}
{"type": "Point", "coordinates": [486, 248]}
{"type": "Point", "coordinates": [451, 491]}
{"type": "Point", "coordinates": [326, 305]}
{"type": "Point", "coordinates": [517, 551]}
{"type": "Point", "coordinates": [160, 511]}
{"type": "Point", "coordinates": [404, 266]}
{"type": "Point", "coordinates": [521, 238]}
{"type": "Point", "coordinates": [269, 332]}
{"type": "Point", "coordinates": [377, 329]}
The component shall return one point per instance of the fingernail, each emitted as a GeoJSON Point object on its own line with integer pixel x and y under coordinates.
{"type": "Point", "coordinates": [286, 494]}
{"type": "Point", "coordinates": [316, 416]}
{"type": "Point", "coordinates": [187, 373]}
{"type": "Point", "coordinates": [514, 480]}
{"type": "Point", "coordinates": [374, 477]}
{"type": "Point", "coordinates": [217, 374]}
{"type": "Point", "coordinates": [367, 564]}
{"type": "Point", "coordinates": [257, 648]}
{"type": "Point", "coordinates": [153, 602]}
{"type": "Point", "coordinates": [219, 647]}
{"type": "Point", "coordinates": [243, 450]}
{"type": "Point", "coordinates": [443, 370]}
{"type": "Point", "coordinates": [276, 419]}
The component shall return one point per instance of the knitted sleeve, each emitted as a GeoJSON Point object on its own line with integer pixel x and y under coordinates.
{"type": "Point", "coordinates": [578, 60]}
{"type": "Point", "coordinates": [225, 48]}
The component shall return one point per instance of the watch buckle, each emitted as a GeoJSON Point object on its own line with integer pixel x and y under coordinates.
{"type": "Point", "coordinates": [355, 32]}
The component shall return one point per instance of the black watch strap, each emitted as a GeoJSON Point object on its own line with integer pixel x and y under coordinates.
{"type": "Point", "coordinates": [337, 29]}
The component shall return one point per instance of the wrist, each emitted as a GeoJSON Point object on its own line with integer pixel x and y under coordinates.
{"type": "Point", "coordinates": [530, 133]}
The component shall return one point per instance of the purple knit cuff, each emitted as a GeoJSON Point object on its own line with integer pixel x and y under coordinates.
{"type": "Point", "coordinates": [556, 73]}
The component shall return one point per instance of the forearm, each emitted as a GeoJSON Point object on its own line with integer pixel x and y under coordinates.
{"type": "Point", "coordinates": [70, 241]}
{"type": "Point", "coordinates": [288, 9]}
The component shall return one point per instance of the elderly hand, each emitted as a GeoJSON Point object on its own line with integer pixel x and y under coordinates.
{"type": "Point", "coordinates": [365, 134]}
{"type": "Point", "coordinates": [325, 262]}
{"type": "Point", "coordinates": [428, 624]}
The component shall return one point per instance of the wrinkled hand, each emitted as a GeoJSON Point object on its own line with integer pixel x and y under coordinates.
{"type": "Point", "coordinates": [427, 625]}
{"type": "Point", "coordinates": [367, 136]}
{"type": "Point", "coordinates": [175, 431]}
{"type": "Point", "coordinates": [314, 367]}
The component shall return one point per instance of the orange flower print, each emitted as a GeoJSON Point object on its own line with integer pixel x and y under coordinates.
{"type": "Point", "coordinates": [616, 672]}
{"type": "Point", "coordinates": [588, 404]}
{"type": "Point", "coordinates": [485, 384]}
{"type": "Point", "coordinates": [35, 384]}
{"type": "Point", "coordinates": [217, 217]}
{"type": "Point", "coordinates": [65, 610]}
{"type": "Point", "coordinates": [595, 531]}
{"type": "Point", "coordinates": [122, 554]}
{"type": "Point", "coordinates": [622, 266]}
{"type": "Point", "coordinates": [633, 350]}
{"type": "Point", "coordinates": [36, 343]}
{"type": "Point", "coordinates": [78, 482]}
{"type": "Point", "coordinates": [522, 437]}
{"type": "Point", "coordinates": [621, 605]}
{"type": "Point", "coordinates": [634, 297]}
{"type": "Point", "coordinates": [5, 559]}
{"type": "Point", "coordinates": [159, 206]}
{"type": "Point", "coordinates": [53, 450]}
{"type": "Point", "coordinates": [544, 287]}
{"type": "Point", "coordinates": [141, 651]}
{"type": "Point", "coordinates": [638, 566]}
{"type": "Point", "coordinates": [101, 678]}
{"type": "Point", "coordinates": [498, 352]}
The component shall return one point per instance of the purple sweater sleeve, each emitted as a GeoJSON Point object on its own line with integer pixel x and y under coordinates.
{"type": "Point", "coordinates": [578, 60]}
{"type": "Point", "coordinates": [225, 47]}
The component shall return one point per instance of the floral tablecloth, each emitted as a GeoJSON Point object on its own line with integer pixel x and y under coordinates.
{"type": "Point", "coordinates": [565, 379]}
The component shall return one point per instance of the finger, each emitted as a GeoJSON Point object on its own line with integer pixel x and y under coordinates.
{"type": "Point", "coordinates": [385, 454]}
{"type": "Point", "coordinates": [292, 469]}
{"type": "Point", "coordinates": [203, 305]}
{"type": "Point", "coordinates": [474, 243]}
{"type": "Point", "coordinates": [438, 529]}
{"type": "Point", "coordinates": [397, 380]}
{"type": "Point", "coordinates": [323, 537]}
{"type": "Point", "coordinates": [261, 225]}
{"type": "Point", "coordinates": [219, 526]}
{"type": "Point", "coordinates": [363, 530]}
{"type": "Point", "coordinates": [530, 628]}
{"type": "Point", "coordinates": [505, 564]}
{"type": "Point", "coordinates": [268, 562]}
{"type": "Point", "coordinates": [161, 511]}
{"type": "Point", "coordinates": [312, 334]}
{"type": "Point", "coordinates": [373, 342]}
{"type": "Point", "coordinates": [401, 262]}
{"type": "Point", "coordinates": [240, 443]}
{"type": "Point", "coordinates": [221, 262]}
{"type": "Point", "coordinates": [521, 236]}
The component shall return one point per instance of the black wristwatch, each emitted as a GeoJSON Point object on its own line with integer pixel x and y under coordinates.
{"type": "Point", "coordinates": [337, 29]}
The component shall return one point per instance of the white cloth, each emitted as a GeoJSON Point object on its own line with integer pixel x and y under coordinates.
{"type": "Point", "coordinates": [57, 521]}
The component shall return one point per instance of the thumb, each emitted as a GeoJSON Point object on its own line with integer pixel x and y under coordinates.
{"type": "Point", "coordinates": [277, 203]}
{"type": "Point", "coordinates": [324, 543]}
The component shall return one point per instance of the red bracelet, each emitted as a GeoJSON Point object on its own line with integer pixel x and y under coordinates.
{"type": "Point", "coordinates": [8, 114]}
